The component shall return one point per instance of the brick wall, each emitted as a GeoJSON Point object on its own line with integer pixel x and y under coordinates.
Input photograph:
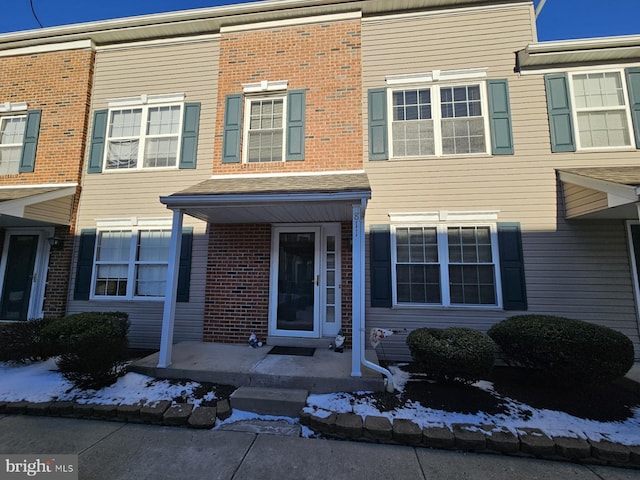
{"type": "Point", "coordinates": [324, 59]}
{"type": "Point", "coordinates": [237, 289]}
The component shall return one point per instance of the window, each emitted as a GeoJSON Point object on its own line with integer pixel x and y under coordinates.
{"type": "Point", "coordinates": [601, 111]}
{"type": "Point", "coordinates": [438, 120]}
{"type": "Point", "coordinates": [264, 130]}
{"type": "Point", "coordinates": [131, 263]}
{"type": "Point", "coordinates": [446, 265]}
{"type": "Point", "coordinates": [143, 137]}
{"type": "Point", "coordinates": [11, 143]}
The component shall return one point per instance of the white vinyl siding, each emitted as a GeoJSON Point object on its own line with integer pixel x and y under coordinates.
{"type": "Point", "coordinates": [11, 136]}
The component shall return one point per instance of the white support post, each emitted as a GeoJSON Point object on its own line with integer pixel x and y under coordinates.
{"type": "Point", "coordinates": [169, 313]}
{"type": "Point", "coordinates": [357, 285]}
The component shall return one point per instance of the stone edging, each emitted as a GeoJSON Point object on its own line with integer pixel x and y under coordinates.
{"type": "Point", "coordinates": [528, 442]}
{"type": "Point", "coordinates": [156, 413]}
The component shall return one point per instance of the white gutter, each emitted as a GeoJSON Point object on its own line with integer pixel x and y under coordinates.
{"type": "Point", "coordinates": [207, 200]}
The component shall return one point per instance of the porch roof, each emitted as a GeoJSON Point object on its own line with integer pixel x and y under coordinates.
{"type": "Point", "coordinates": [321, 197]}
{"type": "Point", "coordinates": [601, 192]}
{"type": "Point", "coordinates": [24, 205]}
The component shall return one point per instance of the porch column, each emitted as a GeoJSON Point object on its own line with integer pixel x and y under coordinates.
{"type": "Point", "coordinates": [169, 313]}
{"type": "Point", "coordinates": [357, 295]}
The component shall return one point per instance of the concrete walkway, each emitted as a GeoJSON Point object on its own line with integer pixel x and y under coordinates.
{"type": "Point", "coordinates": [124, 451]}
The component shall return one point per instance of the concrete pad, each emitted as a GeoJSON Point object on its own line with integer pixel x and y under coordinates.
{"type": "Point", "coordinates": [440, 464]}
{"type": "Point", "coordinates": [286, 458]}
{"type": "Point", "coordinates": [613, 473]}
{"type": "Point", "coordinates": [24, 434]}
{"type": "Point", "coordinates": [149, 452]}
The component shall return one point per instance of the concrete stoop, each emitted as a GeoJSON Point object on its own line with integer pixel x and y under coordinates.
{"type": "Point", "coordinates": [284, 402]}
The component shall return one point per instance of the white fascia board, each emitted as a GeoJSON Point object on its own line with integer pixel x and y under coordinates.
{"type": "Point", "coordinates": [292, 174]}
{"type": "Point", "coordinates": [39, 185]}
{"type": "Point", "coordinates": [291, 22]}
{"type": "Point", "coordinates": [49, 47]}
{"type": "Point", "coordinates": [617, 190]}
{"type": "Point", "coordinates": [564, 46]}
{"type": "Point", "coordinates": [204, 200]}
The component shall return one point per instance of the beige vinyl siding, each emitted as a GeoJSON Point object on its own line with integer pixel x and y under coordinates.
{"type": "Point", "coordinates": [56, 211]}
{"type": "Point", "coordinates": [190, 68]}
{"type": "Point", "coordinates": [575, 268]}
{"type": "Point", "coordinates": [580, 200]}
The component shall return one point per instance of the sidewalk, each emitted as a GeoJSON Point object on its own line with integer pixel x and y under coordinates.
{"type": "Point", "coordinates": [119, 451]}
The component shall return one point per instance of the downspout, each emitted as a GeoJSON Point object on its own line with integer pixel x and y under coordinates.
{"type": "Point", "coordinates": [358, 236]}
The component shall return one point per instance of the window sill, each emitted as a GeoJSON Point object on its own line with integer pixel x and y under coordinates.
{"type": "Point", "coordinates": [129, 171]}
{"type": "Point", "coordinates": [415, 306]}
{"type": "Point", "coordinates": [126, 299]}
{"type": "Point", "coordinates": [434, 157]}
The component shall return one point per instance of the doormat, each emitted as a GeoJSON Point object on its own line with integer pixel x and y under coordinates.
{"type": "Point", "coordinates": [297, 351]}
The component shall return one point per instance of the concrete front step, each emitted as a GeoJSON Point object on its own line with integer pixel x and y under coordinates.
{"type": "Point", "coordinates": [321, 343]}
{"type": "Point", "coordinates": [285, 402]}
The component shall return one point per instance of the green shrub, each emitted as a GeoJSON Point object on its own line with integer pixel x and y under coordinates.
{"type": "Point", "coordinates": [23, 341]}
{"type": "Point", "coordinates": [94, 347]}
{"type": "Point", "coordinates": [452, 354]}
{"type": "Point", "coordinates": [566, 351]}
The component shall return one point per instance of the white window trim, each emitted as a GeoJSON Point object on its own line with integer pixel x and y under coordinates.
{"type": "Point", "coordinates": [247, 119]}
{"type": "Point", "coordinates": [134, 226]}
{"type": "Point", "coordinates": [437, 75]}
{"type": "Point", "coordinates": [144, 103]}
{"type": "Point", "coordinates": [443, 257]}
{"type": "Point", "coordinates": [626, 108]}
{"type": "Point", "coordinates": [265, 86]}
{"type": "Point", "coordinates": [436, 117]}
{"type": "Point", "coordinates": [14, 114]}
{"type": "Point", "coordinates": [11, 107]}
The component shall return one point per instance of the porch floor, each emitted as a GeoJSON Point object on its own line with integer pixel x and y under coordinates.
{"type": "Point", "coordinates": [240, 365]}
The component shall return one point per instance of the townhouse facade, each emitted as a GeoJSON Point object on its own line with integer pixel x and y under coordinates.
{"type": "Point", "coordinates": [300, 170]}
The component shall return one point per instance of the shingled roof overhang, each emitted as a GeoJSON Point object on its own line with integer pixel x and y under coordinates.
{"type": "Point", "coordinates": [273, 198]}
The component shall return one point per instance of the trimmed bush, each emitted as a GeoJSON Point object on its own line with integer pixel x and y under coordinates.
{"type": "Point", "coordinates": [566, 351]}
{"type": "Point", "coordinates": [94, 346]}
{"type": "Point", "coordinates": [452, 354]}
{"type": "Point", "coordinates": [23, 341]}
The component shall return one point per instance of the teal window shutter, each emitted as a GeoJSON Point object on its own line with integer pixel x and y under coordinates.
{"type": "Point", "coordinates": [190, 124]}
{"type": "Point", "coordinates": [184, 272]}
{"type": "Point", "coordinates": [514, 291]}
{"type": "Point", "coordinates": [98, 140]}
{"type": "Point", "coordinates": [559, 109]}
{"type": "Point", "coordinates": [633, 85]}
{"type": "Point", "coordinates": [232, 129]}
{"type": "Point", "coordinates": [380, 265]}
{"type": "Point", "coordinates": [500, 117]}
{"type": "Point", "coordinates": [296, 103]}
{"type": "Point", "coordinates": [85, 264]}
{"type": "Point", "coordinates": [378, 146]}
{"type": "Point", "coordinates": [30, 141]}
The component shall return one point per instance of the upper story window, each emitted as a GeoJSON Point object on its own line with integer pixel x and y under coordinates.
{"type": "Point", "coordinates": [11, 138]}
{"type": "Point", "coordinates": [145, 137]}
{"type": "Point", "coordinates": [264, 129]}
{"type": "Point", "coordinates": [438, 120]}
{"type": "Point", "coordinates": [601, 110]}
{"type": "Point", "coordinates": [594, 110]}
{"type": "Point", "coordinates": [145, 132]}
{"type": "Point", "coordinates": [440, 113]}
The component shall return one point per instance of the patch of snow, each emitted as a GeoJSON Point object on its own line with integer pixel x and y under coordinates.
{"type": "Point", "coordinates": [400, 377]}
{"type": "Point", "coordinates": [34, 382]}
{"type": "Point", "coordinates": [242, 415]}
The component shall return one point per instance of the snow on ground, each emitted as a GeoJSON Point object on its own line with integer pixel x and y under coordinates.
{"type": "Point", "coordinates": [41, 382]}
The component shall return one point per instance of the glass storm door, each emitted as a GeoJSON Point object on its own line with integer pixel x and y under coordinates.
{"type": "Point", "coordinates": [294, 299]}
{"type": "Point", "coordinates": [18, 277]}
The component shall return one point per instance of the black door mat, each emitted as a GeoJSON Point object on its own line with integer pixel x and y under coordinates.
{"type": "Point", "coordinates": [297, 351]}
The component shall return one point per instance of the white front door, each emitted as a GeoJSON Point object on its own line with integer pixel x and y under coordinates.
{"type": "Point", "coordinates": [305, 281]}
{"type": "Point", "coordinates": [23, 273]}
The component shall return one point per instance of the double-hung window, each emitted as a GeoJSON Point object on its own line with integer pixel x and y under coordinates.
{"type": "Point", "coordinates": [601, 112]}
{"type": "Point", "coordinates": [449, 265]}
{"type": "Point", "coordinates": [147, 136]}
{"type": "Point", "coordinates": [131, 263]}
{"type": "Point", "coordinates": [438, 120]}
{"type": "Point", "coordinates": [11, 140]}
{"type": "Point", "coordinates": [264, 129]}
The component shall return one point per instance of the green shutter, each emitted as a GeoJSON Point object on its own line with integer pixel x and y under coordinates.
{"type": "Point", "coordinates": [559, 109]}
{"type": "Point", "coordinates": [296, 103]}
{"type": "Point", "coordinates": [500, 117]}
{"type": "Point", "coordinates": [190, 123]}
{"type": "Point", "coordinates": [378, 146]}
{"type": "Point", "coordinates": [98, 140]}
{"type": "Point", "coordinates": [232, 129]}
{"type": "Point", "coordinates": [514, 291]}
{"type": "Point", "coordinates": [380, 265]}
{"type": "Point", "coordinates": [85, 264]}
{"type": "Point", "coordinates": [184, 272]}
{"type": "Point", "coordinates": [633, 84]}
{"type": "Point", "coordinates": [30, 141]}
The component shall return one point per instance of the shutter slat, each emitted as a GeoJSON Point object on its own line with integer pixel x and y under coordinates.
{"type": "Point", "coordinates": [98, 139]}
{"type": "Point", "coordinates": [559, 110]}
{"type": "Point", "coordinates": [184, 271]}
{"type": "Point", "coordinates": [378, 146]}
{"type": "Point", "coordinates": [30, 141]}
{"type": "Point", "coordinates": [190, 126]}
{"type": "Point", "coordinates": [84, 266]}
{"type": "Point", "coordinates": [514, 291]}
{"type": "Point", "coordinates": [232, 129]}
{"type": "Point", "coordinates": [296, 104]}
{"type": "Point", "coordinates": [500, 117]}
{"type": "Point", "coordinates": [380, 263]}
